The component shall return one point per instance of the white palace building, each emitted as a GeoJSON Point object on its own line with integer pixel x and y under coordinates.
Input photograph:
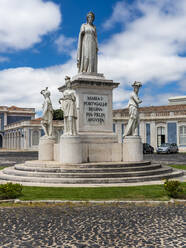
{"type": "Point", "coordinates": [19, 130]}
{"type": "Point", "coordinates": [158, 124]}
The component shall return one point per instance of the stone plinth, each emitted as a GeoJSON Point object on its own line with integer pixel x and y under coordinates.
{"type": "Point", "coordinates": [46, 148]}
{"type": "Point", "coordinates": [94, 116]}
{"type": "Point", "coordinates": [94, 104]}
{"type": "Point", "coordinates": [105, 152]}
{"type": "Point", "coordinates": [132, 149]}
{"type": "Point", "coordinates": [70, 150]}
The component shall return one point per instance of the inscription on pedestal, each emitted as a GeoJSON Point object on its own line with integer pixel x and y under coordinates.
{"type": "Point", "coordinates": [95, 109]}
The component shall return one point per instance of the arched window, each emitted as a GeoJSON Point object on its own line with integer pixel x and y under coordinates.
{"type": "Point", "coordinates": [35, 138]}
{"type": "Point", "coordinates": [182, 135]}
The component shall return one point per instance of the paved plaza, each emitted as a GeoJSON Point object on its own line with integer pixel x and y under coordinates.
{"type": "Point", "coordinates": [10, 158]}
{"type": "Point", "coordinates": [93, 225]}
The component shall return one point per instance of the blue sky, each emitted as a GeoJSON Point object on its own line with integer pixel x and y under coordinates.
{"type": "Point", "coordinates": [143, 40]}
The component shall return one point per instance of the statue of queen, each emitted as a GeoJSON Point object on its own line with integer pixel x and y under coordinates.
{"type": "Point", "coordinates": [87, 46]}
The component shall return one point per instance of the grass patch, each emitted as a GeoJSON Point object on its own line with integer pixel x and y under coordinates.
{"type": "Point", "coordinates": [178, 166]}
{"type": "Point", "coordinates": [2, 167]}
{"type": "Point", "coordinates": [146, 192]}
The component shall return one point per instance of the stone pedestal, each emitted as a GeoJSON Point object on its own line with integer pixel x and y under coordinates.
{"type": "Point", "coordinates": [94, 107]}
{"type": "Point", "coordinates": [94, 120]}
{"type": "Point", "coordinates": [132, 149]}
{"type": "Point", "coordinates": [46, 148]}
{"type": "Point", "coordinates": [70, 150]}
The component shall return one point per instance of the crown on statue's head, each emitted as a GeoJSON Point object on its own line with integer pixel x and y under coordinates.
{"type": "Point", "coordinates": [137, 84]}
{"type": "Point", "coordinates": [92, 14]}
{"type": "Point", "coordinates": [67, 78]}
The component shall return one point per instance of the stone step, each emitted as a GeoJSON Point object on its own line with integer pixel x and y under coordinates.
{"type": "Point", "coordinates": [70, 169]}
{"type": "Point", "coordinates": [54, 164]}
{"type": "Point", "coordinates": [67, 181]}
{"type": "Point", "coordinates": [13, 171]}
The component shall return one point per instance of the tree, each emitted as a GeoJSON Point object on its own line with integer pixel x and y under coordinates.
{"type": "Point", "coordinates": [58, 114]}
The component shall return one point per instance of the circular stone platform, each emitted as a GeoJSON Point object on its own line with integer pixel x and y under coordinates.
{"type": "Point", "coordinates": [51, 173]}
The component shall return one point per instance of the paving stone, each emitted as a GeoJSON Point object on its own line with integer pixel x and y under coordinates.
{"type": "Point", "coordinates": [93, 225]}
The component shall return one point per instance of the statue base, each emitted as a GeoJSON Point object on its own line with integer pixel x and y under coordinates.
{"type": "Point", "coordinates": [88, 75]}
{"type": "Point", "coordinates": [70, 150]}
{"type": "Point", "coordinates": [94, 115]}
{"type": "Point", "coordinates": [46, 148]}
{"type": "Point", "coordinates": [132, 149]}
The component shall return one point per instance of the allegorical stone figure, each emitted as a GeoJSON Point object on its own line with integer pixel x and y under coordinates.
{"type": "Point", "coordinates": [131, 129]}
{"type": "Point", "coordinates": [47, 116]}
{"type": "Point", "coordinates": [87, 46]}
{"type": "Point", "coordinates": [68, 106]}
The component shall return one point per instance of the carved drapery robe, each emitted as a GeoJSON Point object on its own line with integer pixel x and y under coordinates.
{"type": "Point", "coordinates": [87, 49]}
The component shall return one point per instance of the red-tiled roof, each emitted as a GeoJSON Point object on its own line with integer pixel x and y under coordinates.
{"type": "Point", "coordinates": [169, 108]}
{"type": "Point", "coordinates": [15, 108]}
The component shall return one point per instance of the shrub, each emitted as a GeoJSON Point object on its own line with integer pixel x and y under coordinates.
{"type": "Point", "coordinates": [58, 114]}
{"type": "Point", "coordinates": [10, 190]}
{"type": "Point", "coordinates": [173, 188]}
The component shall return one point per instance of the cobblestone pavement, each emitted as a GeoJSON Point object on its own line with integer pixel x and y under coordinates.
{"type": "Point", "coordinates": [93, 225]}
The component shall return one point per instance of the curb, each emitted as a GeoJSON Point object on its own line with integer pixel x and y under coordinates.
{"type": "Point", "coordinates": [98, 202]}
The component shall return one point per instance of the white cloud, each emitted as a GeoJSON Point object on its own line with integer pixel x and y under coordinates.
{"type": "Point", "coordinates": [65, 44]}
{"type": "Point", "coordinates": [22, 86]}
{"type": "Point", "coordinates": [148, 48]}
{"type": "Point", "coordinates": [120, 97]}
{"type": "Point", "coordinates": [23, 23]}
{"type": "Point", "coordinates": [157, 99]}
{"type": "Point", "coordinates": [121, 12]}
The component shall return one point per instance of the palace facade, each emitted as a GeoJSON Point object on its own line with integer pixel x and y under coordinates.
{"type": "Point", "coordinates": [158, 124]}
{"type": "Point", "coordinates": [20, 130]}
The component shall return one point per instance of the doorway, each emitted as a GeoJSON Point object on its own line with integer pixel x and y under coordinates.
{"type": "Point", "coordinates": [160, 136]}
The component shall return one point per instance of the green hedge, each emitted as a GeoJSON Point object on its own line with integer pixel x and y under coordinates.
{"type": "Point", "coordinates": [10, 191]}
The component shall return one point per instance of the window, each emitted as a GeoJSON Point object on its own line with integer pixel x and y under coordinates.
{"type": "Point", "coordinates": [114, 127]}
{"type": "Point", "coordinates": [122, 131]}
{"type": "Point", "coordinates": [182, 135]}
{"type": "Point", "coordinates": [35, 138]}
{"type": "Point", "coordinates": [172, 132]}
{"type": "Point", "coordinates": [148, 133]}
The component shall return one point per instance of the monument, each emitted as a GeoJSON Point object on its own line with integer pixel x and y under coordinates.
{"type": "Point", "coordinates": [88, 151]}
{"type": "Point", "coordinates": [87, 106]}
{"type": "Point", "coordinates": [94, 99]}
